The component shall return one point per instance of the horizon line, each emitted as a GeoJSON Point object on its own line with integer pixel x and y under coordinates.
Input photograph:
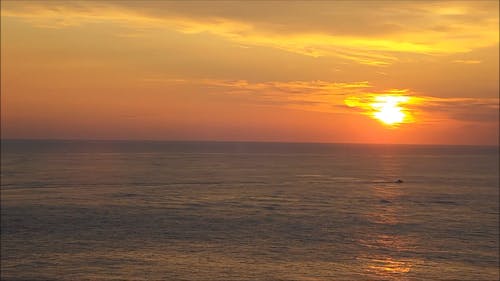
{"type": "Point", "coordinates": [237, 141]}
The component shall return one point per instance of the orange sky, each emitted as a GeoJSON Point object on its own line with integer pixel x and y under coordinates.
{"type": "Point", "coordinates": [253, 70]}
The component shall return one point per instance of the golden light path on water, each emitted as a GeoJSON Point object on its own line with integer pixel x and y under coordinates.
{"type": "Point", "coordinates": [390, 109]}
{"type": "Point", "coordinates": [390, 264]}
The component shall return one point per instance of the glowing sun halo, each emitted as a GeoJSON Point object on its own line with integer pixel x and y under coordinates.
{"type": "Point", "coordinates": [387, 109]}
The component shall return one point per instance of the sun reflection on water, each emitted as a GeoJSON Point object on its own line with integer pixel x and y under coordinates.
{"type": "Point", "coordinates": [388, 265]}
{"type": "Point", "coordinates": [388, 244]}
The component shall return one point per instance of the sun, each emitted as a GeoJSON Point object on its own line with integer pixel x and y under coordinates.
{"type": "Point", "coordinates": [391, 108]}
{"type": "Point", "coordinates": [387, 109]}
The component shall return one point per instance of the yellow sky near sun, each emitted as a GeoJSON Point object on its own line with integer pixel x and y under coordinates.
{"type": "Point", "coordinates": [267, 71]}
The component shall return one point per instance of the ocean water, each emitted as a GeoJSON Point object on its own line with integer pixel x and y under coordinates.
{"type": "Point", "coordinates": [111, 210]}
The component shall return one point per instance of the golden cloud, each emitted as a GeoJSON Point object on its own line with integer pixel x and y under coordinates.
{"type": "Point", "coordinates": [323, 96]}
{"type": "Point", "coordinates": [426, 109]}
{"type": "Point", "coordinates": [350, 97]}
{"type": "Point", "coordinates": [467, 26]}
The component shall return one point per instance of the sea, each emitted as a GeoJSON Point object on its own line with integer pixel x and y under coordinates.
{"type": "Point", "coordinates": [216, 211]}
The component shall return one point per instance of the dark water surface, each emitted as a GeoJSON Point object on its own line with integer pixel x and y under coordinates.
{"type": "Point", "coordinates": [247, 211]}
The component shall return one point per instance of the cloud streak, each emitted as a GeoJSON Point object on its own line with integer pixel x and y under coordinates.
{"type": "Point", "coordinates": [322, 96]}
{"type": "Point", "coordinates": [392, 31]}
{"type": "Point", "coordinates": [347, 98]}
{"type": "Point", "coordinates": [467, 61]}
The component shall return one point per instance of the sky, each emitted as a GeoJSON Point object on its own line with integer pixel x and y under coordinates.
{"type": "Point", "coordinates": [418, 72]}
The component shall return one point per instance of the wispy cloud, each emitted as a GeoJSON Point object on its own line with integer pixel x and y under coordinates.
{"type": "Point", "coordinates": [414, 28]}
{"type": "Point", "coordinates": [347, 97]}
{"type": "Point", "coordinates": [316, 95]}
{"type": "Point", "coordinates": [467, 61]}
{"type": "Point", "coordinates": [461, 109]}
